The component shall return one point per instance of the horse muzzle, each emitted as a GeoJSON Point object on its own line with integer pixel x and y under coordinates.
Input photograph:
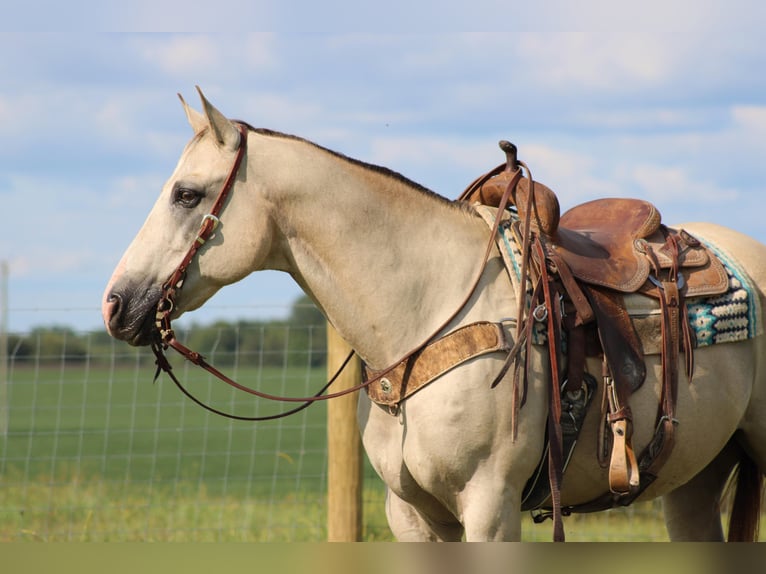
{"type": "Point", "coordinates": [129, 313]}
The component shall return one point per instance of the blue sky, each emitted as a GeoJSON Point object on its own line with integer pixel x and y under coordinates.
{"type": "Point", "coordinates": [90, 125]}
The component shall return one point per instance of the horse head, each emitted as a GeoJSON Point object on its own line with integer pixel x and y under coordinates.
{"type": "Point", "coordinates": [173, 225]}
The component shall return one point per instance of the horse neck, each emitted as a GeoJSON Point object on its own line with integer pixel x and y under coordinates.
{"type": "Point", "coordinates": [385, 261]}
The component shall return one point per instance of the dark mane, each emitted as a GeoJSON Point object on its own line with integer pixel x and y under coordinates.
{"type": "Point", "coordinates": [372, 167]}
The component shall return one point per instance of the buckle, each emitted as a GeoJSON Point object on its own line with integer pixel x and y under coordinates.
{"type": "Point", "coordinates": [210, 217]}
{"type": "Point", "coordinates": [205, 232]}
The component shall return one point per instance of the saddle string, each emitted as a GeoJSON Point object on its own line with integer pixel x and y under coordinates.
{"type": "Point", "coordinates": [544, 291]}
{"type": "Point", "coordinates": [522, 302]}
{"type": "Point", "coordinates": [175, 282]}
{"type": "Point", "coordinates": [555, 439]}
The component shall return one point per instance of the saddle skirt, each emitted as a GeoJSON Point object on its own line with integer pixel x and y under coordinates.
{"type": "Point", "coordinates": [605, 242]}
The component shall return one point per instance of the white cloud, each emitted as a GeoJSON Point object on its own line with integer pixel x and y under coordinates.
{"type": "Point", "coordinates": [89, 129]}
{"type": "Point", "coordinates": [675, 184]}
{"type": "Point", "coordinates": [277, 111]}
{"type": "Point", "coordinates": [137, 191]}
{"type": "Point", "coordinates": [598, 16]}
{"type": "Point", "coordinates": [430, 151]}
{"type": "Point", "coordinates": [750, 118]}
{"type": "Point", "coordinates": [21, 111]}
{"type": "Point", "coordinates": [636, 117]}
{"type": "Point", "coordinates": [573, 175]}
{"type": "Point", "coordinates": [67, 226]}
{"type": "Point", "coordinates": [260, 51]}
{"type": "Point", "coordinates": [181, 56]}
{"type": "Point", "coordinates": [609, 62]}
{"type": "Point", "coordinates": [193, 57]}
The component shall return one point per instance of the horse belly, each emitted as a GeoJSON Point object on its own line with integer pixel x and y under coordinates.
{"type": "Point", "coordinates": [709, 410]}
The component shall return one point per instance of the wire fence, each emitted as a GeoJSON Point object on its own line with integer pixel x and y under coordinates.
{"type": "Point", "coordinates": [94, 449]}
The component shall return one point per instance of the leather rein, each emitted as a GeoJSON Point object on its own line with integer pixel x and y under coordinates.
{"type": "Point", "coordinates": [174, 284]}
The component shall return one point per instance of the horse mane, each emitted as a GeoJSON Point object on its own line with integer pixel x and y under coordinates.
{"type": "Point", "coordinates": [396, 176]}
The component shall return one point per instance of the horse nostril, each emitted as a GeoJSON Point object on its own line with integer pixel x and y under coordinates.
{"type": "Point", "coordinates": [112, 307]}
{"type": "Point", "coordinates": [114, 299]}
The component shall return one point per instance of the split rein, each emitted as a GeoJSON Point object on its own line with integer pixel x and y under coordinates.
{"type": "Point", "coordinates": [174, 284]}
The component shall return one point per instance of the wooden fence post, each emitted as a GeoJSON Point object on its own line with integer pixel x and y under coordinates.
{"type": "Point", "coordinates": [5, 411]}
{"type": "Point", "coordinates": [344, 447]}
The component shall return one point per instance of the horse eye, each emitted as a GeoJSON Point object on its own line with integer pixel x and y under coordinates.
{"type": "Point", "coordinates": [186, 197]}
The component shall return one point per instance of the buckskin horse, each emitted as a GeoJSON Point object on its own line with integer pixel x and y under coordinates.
{"type": "Point", "coordinates": [467, 399]}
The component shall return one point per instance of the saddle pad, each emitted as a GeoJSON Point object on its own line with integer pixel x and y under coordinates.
{"type": "Point", "coordinates": [730, 317]}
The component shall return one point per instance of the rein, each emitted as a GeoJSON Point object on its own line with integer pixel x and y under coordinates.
{"type": "Point", "coordinates": [174, 284]}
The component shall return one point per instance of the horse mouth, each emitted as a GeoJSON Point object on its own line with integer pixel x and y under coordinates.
{"type": "Point", "coordinates": [131, 317]}
{"type": "Point", "coordinates": [146, 334]}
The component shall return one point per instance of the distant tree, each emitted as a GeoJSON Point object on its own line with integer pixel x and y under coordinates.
{"type": "Point", "coordinates": [305, 312]}
{"type": "Point", "coordinates": [308, 333]}
{"type": "Point", "coordinates": [299, 340]}
{"type": "Point", "coordinates": [58, 344]}
{"type": "Point", "coordinates": [19, 347]}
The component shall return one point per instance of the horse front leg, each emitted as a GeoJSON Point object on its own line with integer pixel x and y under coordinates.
{"type": "Point", "coordinates": [490, 510]}
{"type": "Point", "coordinates": [409, 525]}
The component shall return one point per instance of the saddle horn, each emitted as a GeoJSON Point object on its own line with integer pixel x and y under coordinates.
{"type": "Point", "coordinates": [511, 155]}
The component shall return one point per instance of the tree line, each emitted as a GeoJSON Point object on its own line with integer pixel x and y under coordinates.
{"type": "Point", "coordinates": [298, 340]}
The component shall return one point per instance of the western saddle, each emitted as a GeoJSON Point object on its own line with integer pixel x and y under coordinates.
{"type": "Point", "coordinates": [579, 265]}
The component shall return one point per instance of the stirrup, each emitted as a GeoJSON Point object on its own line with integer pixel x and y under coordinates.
{"type": "Point", "coordinates": [624, 477]}
{"type": "Point", "coordinates": [623, 467]}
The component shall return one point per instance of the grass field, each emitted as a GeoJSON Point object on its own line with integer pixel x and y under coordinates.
{"type": "Point", "coordinates": [115, 423]}
{"type": "Point", "coordinates": [86, 437]}
{"type": "Point", "coordinates": [95, 452]}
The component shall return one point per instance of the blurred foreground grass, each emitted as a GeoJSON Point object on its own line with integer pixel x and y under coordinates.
{"type": "Point", "coordinates": [95, 510]}
{"type": "Point", "coordinates": [98, 511]}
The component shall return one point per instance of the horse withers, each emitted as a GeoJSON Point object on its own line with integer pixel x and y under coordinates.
{"type": "Point", "coordinates": [393, 266]}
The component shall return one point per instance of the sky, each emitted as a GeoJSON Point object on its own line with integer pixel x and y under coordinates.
{"type": "Point", "coordinates": [91, 126]}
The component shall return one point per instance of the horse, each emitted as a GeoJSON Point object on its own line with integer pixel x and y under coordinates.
{"type": "Point", "coordinates": [392, 265]}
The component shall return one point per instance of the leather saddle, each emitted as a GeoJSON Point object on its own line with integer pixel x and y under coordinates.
{"type": "Point", "coordinates": [588, 258]}
{"type": "Point", "coordinates": [605, 241]}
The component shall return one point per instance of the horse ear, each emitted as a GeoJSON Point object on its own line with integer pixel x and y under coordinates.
{"type": "Point", "coordinates": [225, 132]}
{"type": "Point", "coordinates": [197, 120]}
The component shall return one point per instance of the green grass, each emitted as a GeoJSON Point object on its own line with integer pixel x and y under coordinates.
{"type": "Point", "coordinates": [117, 424]}
{"type": "Point", "coordinates": [95, 510]}
{"type": "Point", "coordinates": [97, 453]}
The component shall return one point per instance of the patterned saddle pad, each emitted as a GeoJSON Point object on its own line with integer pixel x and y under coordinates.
{"type": "Point", "coordinates": [730, 317]}
{"type": "Point", "coordinates": [726, 318]}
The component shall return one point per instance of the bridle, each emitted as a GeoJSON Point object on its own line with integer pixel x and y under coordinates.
{"type": "Point", "coordinates": [174, 284]}
{"type": "Point", "coordinates": [166, 305]}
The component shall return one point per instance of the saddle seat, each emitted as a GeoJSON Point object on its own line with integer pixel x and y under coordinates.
{"type": "Point", "coordinates": [605, 242]}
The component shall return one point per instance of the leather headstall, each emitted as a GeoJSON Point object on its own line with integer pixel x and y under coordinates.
{"type": "Point", "coordinates": [210, 222]}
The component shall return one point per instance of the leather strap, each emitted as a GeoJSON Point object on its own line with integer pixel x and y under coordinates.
{"type": "Point", "coordinates": [207, 228]}
{"type": "Point", "coordinates": [174, 284]}
{"type": "Point", "coordinates": [574, 408]}
{"type": "Point", "coordinates": [441, 356]}
{"type": "Point", "coordinates": [552, 304]}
